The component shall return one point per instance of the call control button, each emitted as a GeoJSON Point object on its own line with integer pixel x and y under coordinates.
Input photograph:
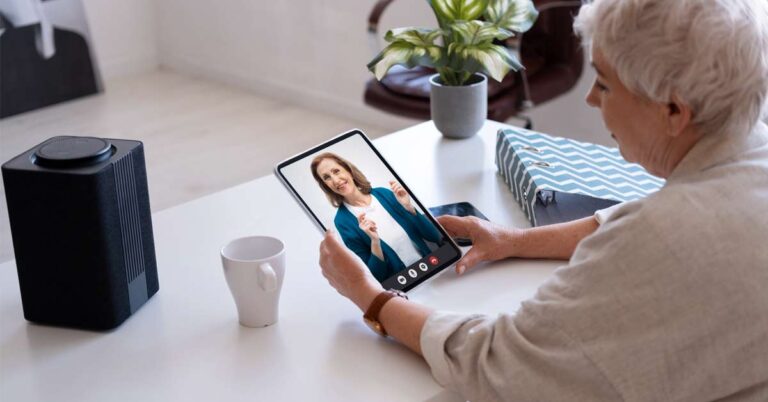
{"type": "Point", "coordinates": [412, 273]}
{"type": "Point", "coordinates": [401, 279]}
{"type": "Point", "coordinates": [423, 266]}
{"type": "Point", "coordinates": [433, 260]}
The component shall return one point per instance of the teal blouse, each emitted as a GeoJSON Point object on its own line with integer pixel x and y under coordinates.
{"type": "Point", "coordinates": [418, 228]}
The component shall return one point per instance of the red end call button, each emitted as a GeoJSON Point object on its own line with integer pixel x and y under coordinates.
{"type": "Point", "coordinates": [433, 260]}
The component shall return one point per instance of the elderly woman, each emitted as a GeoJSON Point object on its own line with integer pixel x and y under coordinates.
{"type": "Point", "coordinates": [664, 298]}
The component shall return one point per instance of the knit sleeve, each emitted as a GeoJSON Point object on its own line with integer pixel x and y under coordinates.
{"type": "Point", "coordinates": [518, 357]}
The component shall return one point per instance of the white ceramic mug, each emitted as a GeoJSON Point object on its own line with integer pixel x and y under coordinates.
{"type": "Point", "coordinates": [254, 268]}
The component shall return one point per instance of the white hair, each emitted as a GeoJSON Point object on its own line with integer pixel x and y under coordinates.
{"type": "Point", "coordinates": [712, 54]}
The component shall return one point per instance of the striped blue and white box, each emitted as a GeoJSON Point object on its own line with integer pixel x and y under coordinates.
{"type": "Point", "coordinates": [557, 179]}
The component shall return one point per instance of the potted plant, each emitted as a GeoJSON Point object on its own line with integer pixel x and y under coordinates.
{"type": "Point", "coordinates": [464, 50]}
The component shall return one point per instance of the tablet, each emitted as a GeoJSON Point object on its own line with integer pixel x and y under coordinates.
{"type": "Point", "coordinates": [346, 185]}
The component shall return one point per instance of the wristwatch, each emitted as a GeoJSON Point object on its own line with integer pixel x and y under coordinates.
{"type": "Point", "coordinates": [371, 316]}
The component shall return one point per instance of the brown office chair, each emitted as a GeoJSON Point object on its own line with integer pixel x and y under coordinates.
{"type": "Point", "coordinates": [550, 52]}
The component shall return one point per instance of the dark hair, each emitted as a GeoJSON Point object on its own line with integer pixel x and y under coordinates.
{"type": "Point", "coordinates": [359, 179]}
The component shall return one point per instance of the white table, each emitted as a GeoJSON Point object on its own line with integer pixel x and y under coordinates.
{"type": "Point", "coordinates": [185, 344]}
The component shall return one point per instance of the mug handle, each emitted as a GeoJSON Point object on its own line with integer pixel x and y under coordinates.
{"type": "Point", "coordinates": [267, 277]}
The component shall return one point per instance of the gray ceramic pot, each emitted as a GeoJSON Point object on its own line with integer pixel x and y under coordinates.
{"type": "Point", "coordinates": [459, 111]}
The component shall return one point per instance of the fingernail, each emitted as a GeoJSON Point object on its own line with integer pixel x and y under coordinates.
{"type": "Point", "coordinates": [462, 269]}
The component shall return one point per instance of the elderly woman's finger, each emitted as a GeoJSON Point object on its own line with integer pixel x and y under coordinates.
{"type": "Point", "coordinates": [331, 240]}
{"type": "Point", "coordinates": [456, 226]}
{"type": "Point", "coordinates": [470, 259]}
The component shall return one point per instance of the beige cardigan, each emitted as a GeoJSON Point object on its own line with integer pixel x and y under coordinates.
{"type": "Point", "coordinates": [666, 301]}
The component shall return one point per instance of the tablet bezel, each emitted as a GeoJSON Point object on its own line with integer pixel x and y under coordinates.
{"type": "Point", "coordinates": [341, 137]}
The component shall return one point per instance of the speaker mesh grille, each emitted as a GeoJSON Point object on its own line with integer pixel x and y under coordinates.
{"type": "Point", "coordinates": [130, 225]}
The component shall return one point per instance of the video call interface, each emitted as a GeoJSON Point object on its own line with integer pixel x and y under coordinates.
{"type": "Point", "coordinates": [350, 190]}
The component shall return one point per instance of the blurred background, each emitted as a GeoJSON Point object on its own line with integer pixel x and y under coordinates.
{"type": "Point", "coordinates": [218, 91]}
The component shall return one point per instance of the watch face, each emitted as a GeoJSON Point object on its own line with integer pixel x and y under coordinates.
{"type": "Point", "coordinates": [399, 293]}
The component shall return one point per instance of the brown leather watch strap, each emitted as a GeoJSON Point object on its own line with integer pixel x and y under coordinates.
{"type": "Point", "coordinates": [372, 314]}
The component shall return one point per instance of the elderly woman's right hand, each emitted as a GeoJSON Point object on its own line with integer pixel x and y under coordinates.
{"type": "Point", "coordinates": [490, 242]}
{"type": "Point", "coordinates": [346, 272]}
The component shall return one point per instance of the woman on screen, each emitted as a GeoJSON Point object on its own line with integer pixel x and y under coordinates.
{"type": "Point", "coordinates": [379, 224]}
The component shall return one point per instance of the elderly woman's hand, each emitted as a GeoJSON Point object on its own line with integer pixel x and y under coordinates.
{"type": "Point", "coordinates": [490, 242]}
{"type": "Point", "coordinates": [346, 272]}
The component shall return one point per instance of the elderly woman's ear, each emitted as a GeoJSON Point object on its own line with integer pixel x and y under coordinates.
{"type": "Point", "coordinates": [678, 117]}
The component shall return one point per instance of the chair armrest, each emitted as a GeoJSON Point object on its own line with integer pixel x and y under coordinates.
{"type": "Point", "coordinates": [375, 15]}
{"type": "Point", "coordinates": [572, 68]}
{"type": "Point", "coordinates": [544, 5]}
{"type": "Point", "coordinates": [374, 39]}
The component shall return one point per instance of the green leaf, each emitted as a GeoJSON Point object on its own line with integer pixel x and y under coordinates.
{"type": "Point", "coordinates": [493, 60]}
{"type": "Point", "coordinates": [409, 47]}
{"type": "Point", "coordinates": [476, 32]}
{"type": "Point", "coordinates": [440, 21]}
{"type": "Point", "coordinates": [513, 15]}
{"type": "Point", "coordinates": [448, 11]}
{"type": "Point", "coordinates": [423, 37]}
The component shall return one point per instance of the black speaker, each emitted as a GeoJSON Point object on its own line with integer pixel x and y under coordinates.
{"type": "Point", "coordinates": [82, 231]}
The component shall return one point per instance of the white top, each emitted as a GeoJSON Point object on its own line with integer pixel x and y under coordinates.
{"type": "Point", "coordinates": [389, 230]}
{"type": "Point", "coordinates": [666, 301]}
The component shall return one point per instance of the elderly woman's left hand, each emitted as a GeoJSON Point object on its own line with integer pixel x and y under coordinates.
{"type": "Point", "coordinates": [346, 272]}
{"type": "Point", "coordinates": [402, 196]}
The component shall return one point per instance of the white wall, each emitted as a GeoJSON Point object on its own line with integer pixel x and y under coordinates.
{"type": "Point", "coordinates": [123, 35]}
{"type": "Point", "coordinates": [570, 116]}
{"type": "Point", "coordinates": [307, 52]}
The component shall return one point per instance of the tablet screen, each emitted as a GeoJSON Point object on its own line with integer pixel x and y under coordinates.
{"type": "Point", "coordinates": [345, 185]}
